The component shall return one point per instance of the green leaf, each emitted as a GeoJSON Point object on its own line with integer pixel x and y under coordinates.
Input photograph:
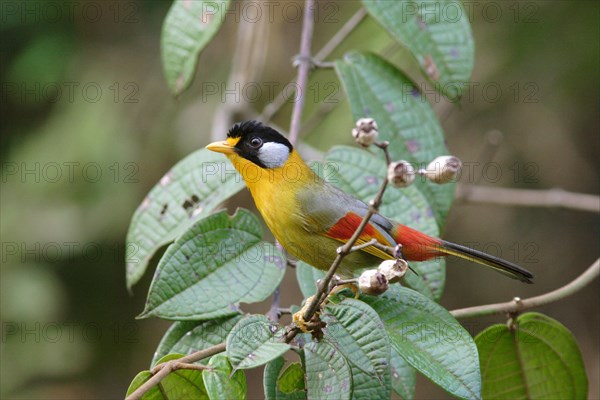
{"type": "Point", "coordinates": [189, 336]}
{"type": "Point", "coordinates": [404, 377]}
{"type": "Point", "coordinates": [430, 340]}
{"type": "Point", "coordinates": [376, 89]}
{"type": "Point", "coordinates": [222, 382]}
{"type": "Point", "coordinates": [253, 342]}
{"type": "Point", "coordinates": [307, 277]}
{"type": "Point", "coordinates": [357, 332]}
{"type": "Point", "coordinates": [187, 29]}
{"type": "Point", "coordinates": [437, 33]}
{"type": "Point", "coordinates": [191, 190]}
{"type": "Point", "coordinates": [538, 360]}
{"type": "Point", "coordinates": [179, 384]}
{"type": "Point", "coordinates": [360, 173]}
{"type": "Point", "coordinates": [286, 385]}
{"type": "Point", "coordinates": [272, 370]}
{"type": "Point", "coordinates": [292, 380]}
{"type": "Point", "coordinates": [327, 372]}
{"type": "Point", "coordinates": [218, 263]}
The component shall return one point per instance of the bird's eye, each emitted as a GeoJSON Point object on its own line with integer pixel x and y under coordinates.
{"type": "Point", "coordinates": [256, 142]}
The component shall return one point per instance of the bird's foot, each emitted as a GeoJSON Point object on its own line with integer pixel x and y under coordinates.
{"type": "Point", "coordinates": [298, 317]}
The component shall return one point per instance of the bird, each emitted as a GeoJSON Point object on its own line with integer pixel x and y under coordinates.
{"type": "Point", "coordinates": [311, 218]}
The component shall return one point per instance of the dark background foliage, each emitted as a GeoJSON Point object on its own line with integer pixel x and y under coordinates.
{"type": "Point", "coordinates": [88, 126]}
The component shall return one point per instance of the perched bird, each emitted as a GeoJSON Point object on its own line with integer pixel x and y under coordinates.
{"type": "Point", "coordinates": [312, 218]}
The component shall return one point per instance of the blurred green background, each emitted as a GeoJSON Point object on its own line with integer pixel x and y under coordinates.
{"type": "Point", "coordinates": [88, 126]}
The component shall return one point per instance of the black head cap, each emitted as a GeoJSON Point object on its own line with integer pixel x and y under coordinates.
{"type": "Point", "coordinates": [252, 136]}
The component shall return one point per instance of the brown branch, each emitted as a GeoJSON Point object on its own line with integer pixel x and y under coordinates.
{"type": "Point", "coordinates": [164, 369]}
{"type": "Point", "coordinates": [518, 305]}
{"type": "Point", "coordinates": [558, 198]}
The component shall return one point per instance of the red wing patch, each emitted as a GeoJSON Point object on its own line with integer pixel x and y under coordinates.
{"type": "Point", "coordinates": [345, 227]}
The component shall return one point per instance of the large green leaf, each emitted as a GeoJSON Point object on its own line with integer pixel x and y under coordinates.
{"type": "Point", "coordinates": [438, 34]}
{"type": "Point", "coordinates": [357, 332]}
{"type": "Point", "coordinates": [404, 377]}
{"type": "Point", "coordinates": [430, 340]}
{"type": "Point", "coordinates": [253, 342]}
{"type": "Point", "coordinates": [189, 336]}
{"type": "Point", "coordinates": [187, 29]}
{"type": "Point", "coordinates": [286, 385]}
{"type": "Point", "coordinates": [191, 190]}
{"type": "Point", "coordinates": [218, 263]}
{"type": "Point", "coordinates": [376, 89]}
{"type": "Point", "coordinates": [222, 382]}
{"type": "Point", "coordinates": [540, 359]}
{"type": "Point", "coordinates": [179, 384]}
{"type": "Point", "coordinates": [327, 372]}
{"type": "Point", "coordinates": [360, 173]}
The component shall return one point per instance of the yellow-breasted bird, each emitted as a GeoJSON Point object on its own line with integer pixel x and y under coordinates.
{"type": "Point", "coordinates": [312, 218]}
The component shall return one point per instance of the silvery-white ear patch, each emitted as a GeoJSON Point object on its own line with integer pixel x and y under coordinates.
{"type": "Point", "coordinates": [273, 154]}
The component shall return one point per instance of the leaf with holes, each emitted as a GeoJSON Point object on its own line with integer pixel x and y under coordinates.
{"type": "Point", "coordinates": [540, 359]}
{"type": "Point", "coordinates": [180, 384]}
{"type": "Point", "coordinates": [357, 332]}
{"type": "Point", "coordinates": [430, 340]}
{"type": "Point", "coordinates": [360, 173]}
{"type": "Point", "coordinates": [222, 382]}
{"type": "Point", "coordinates": [217, 264]}
{"type": "Point", "coordinates": [187, 29]}
{"type": "Point", "coordinates": [253, 342]}
{"type": "Point", "coordinates": [327, 372]}
{"type": "Point", "coordinates": [189, 336]}
{"type": "Point", "coordinates": [191, 190]}
{"type": "Point", "coordinates": [377, 89]}
{"type": "Point", "coordinates": [437, 33]}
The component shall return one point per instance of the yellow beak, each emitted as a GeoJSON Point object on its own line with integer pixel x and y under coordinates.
{"type": "Point", "coordinates": [221, 147]}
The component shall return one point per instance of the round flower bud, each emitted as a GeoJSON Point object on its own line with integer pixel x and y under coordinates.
{"type": "Point", "coordinates": [372, 282]}
{"type": "Point", "coordinates": [393, 269]}
{"type": "Point", "coordinates": [365, 132]}
{"type": "Point", "coordinates": [443, 169]}
{"type": "Point", "coordinates": [401, 173]}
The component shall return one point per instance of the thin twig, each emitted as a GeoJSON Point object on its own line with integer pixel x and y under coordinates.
{"type": "Point", "coordinates": [162, 370]}
{"type": "Point", "coordinates": [305, 63]}
{"type": "Point", "coordinates": [521, 304]}
{"type": "Point", "coordinates": [558, 198]}
{"type": "Point", "coordinates": [341, 35]}
{"type": "Point", "coordinates": [362, 246]}
{"type": "Point", "coordinates": [272, 108]}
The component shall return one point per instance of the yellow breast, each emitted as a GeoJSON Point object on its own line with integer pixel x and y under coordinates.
{"type": "Point", "coordinates": [274, 192]}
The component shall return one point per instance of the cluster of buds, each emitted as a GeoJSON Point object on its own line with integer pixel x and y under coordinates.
{"type": "Point", "coordinates": [377, 281]}
{"type": "Point", "coordinates": [365, 132]}
{"type": "Point", "coordinates": [443, 169]}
